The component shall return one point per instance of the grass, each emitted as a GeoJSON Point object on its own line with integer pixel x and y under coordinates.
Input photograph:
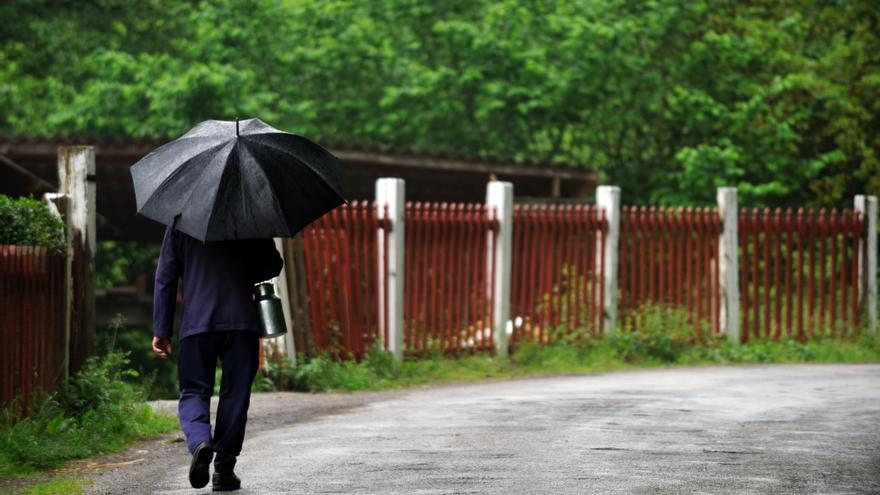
{"type": "Point", "coordinates": [652, 345]}
{"type": "Point", "coordinates": [57, 486]}
{"type": "Point", "coordinates": [99, 410]}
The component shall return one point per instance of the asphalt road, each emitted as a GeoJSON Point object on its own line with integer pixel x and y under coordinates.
{"type": "Point", "coordinates": [723, 429]}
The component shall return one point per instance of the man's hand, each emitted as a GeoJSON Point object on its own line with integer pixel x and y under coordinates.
{"type": "Point", "coordinates": [162, 347]}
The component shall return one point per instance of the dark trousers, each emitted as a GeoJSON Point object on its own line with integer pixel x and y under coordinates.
{"type": "Point", "coordinates": [238, 352]}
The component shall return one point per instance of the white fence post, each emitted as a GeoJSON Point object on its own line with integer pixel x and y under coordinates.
{"type": "Point", "coordinates": [499, 195]}
{"type": "Point", "coordinates": [391, 192]}
{"type": "Point", "coordinates": [867, 208]}
{"type": "Point", "coordinates": [728, 263]}
{"type": "Point", "coordinates": [608, 200]}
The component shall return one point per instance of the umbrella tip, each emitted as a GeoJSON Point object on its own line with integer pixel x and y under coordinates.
{"type": "Point", "coordinates": [236, 127]}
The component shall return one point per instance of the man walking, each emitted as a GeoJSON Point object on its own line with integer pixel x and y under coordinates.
{"type": "Point", "coordinates": [219, 320]}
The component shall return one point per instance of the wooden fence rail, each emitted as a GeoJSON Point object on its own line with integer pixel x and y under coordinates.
{"type": "Point", "coordinates": [669, 258]}
{"type": "Point", "coordinates": [448, 296]}
{"type": "Point", "coordinates": [557, 271]}
{"type": "Point", "coordinates": [799, 272]}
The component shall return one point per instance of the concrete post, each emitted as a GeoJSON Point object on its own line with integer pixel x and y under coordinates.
{"type": "Point", "coordinates": [867, 208]}
{"type": "Point", "coordinates": [76, 178]}
{"type": "Point", "coordinates": [391, 192]}
{"type": "Point", "coordinates": [295, 269]}
{"type": "Point", "coordinates": [608, 200]}
{"type": "Point", "coordinates": [499, 196]}
{"type": "Point", "coordinates": [728, 263]}
{"type": "Point", "coordinates": [284, 345]}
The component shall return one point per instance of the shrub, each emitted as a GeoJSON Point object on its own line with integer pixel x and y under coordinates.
{"type": "Point", "coordinates": [28, 222]}
{"type": "Point", "coordinates": [663, 334]}
{"type": "Point", "coordinates": [95, 411]}
{"type": "Point", "coordinates": [158, 376]}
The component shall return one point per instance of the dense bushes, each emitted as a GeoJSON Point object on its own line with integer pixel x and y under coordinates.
{"type": "Point", "coordinates": [28, 222]}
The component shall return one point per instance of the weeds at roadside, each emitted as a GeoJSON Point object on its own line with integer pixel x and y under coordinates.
{"type": "Point", "coordinates": [98, 410]}
{"type": "Point", "coordinates": [663, 338]}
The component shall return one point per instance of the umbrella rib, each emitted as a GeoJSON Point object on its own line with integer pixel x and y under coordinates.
{"type": "Point", "coordinates": [177, 142]}
{"type": "Point", "coordinates": [177, 171]}
{"type": "Point", "coordinates": [268, 182]}
{"type": "Point", "coordinates": [202, 174]}
{"type": "Point", "coordinates": [309, 167]}
{"type": "Point", "coordinates": [277, 200]}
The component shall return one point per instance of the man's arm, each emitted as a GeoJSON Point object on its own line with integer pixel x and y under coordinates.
{"type": "Point", "coordinates": [165, 292]}
{"type": "Point", "coordinates": [265, 261]}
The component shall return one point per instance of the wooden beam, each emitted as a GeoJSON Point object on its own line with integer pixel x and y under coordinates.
{"type": "Point", "coordinates": [457, 165]}
{"type": "Point", "coordinates": [37, 181]}
{"type": "Point", "coordinates": [134, 151]}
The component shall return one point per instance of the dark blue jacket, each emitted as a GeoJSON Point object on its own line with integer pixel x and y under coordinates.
{"type": "Point", "coordinates": [218, 281]}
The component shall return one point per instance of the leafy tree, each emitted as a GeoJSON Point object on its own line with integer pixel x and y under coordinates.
{"type": "Point", "coordinates": [118, 263]}
{"type": "Point", "coordinates": [669, 99]}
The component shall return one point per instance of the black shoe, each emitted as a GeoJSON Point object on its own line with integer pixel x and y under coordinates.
{"type": "Point", "coordinates": [200, 465]}
{"type": "Point", "coordinates": [224, 482]}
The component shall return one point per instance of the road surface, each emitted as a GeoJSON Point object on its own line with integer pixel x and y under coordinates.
{"type": "Point", "coordinates": [722, 429]}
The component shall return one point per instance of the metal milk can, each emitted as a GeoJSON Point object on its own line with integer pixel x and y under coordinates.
{"type": "Point", "coordinates": [272, 322]}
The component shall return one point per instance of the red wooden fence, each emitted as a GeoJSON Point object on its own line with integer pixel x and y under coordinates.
{"type": "Point", "coordinates": [32, 329]}
{"type": "Point", "coordinates": [557, 270]}
{"type": "Point", "coordinates": [448, 296]}
{"type": "Point", "coordinates": [669, 258]}
{"type": "Point", "coordinates": [447, 299]}
{"type": "Point", "coordinates": [799, 272]}
{"type": "Point", "coordinates": [340, 251]}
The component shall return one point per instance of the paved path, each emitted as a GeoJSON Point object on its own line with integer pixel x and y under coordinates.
{"type": "Point", "coordinates": [722, 429]}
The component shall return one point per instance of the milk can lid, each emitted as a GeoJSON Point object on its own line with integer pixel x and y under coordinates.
{"type": "Point", "coordinates": [265, 289]}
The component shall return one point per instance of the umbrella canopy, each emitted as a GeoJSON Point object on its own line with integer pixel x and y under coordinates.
{"type": "Point", "coordinates": [237, 180]}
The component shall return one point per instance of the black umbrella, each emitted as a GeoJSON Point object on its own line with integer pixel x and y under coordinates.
{"type": "Point", "coordinates": [237, 180]}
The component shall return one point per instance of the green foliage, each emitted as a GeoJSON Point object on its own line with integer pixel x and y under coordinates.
{"type": "Point", "coordinates": [663, 339]}
{"type": "Point", "coordinates": [158, 377]}
{"type": "Point", "coordinates": [96, 411]}
{"type": "Point", "coordinates": [863, 349]}
{"type": "Point", "coordinates": [668, 99]}
{"type": "Point", "coordinates": [29, 222]}
{"type": "Point", "coordinates": [119, 262]}
{"type": "Point", "coordinates": [262, 383]}
{"type": "Point", "coordinates": [378, 370]}
{"type": "Point", "coordinates": [663, 335]}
